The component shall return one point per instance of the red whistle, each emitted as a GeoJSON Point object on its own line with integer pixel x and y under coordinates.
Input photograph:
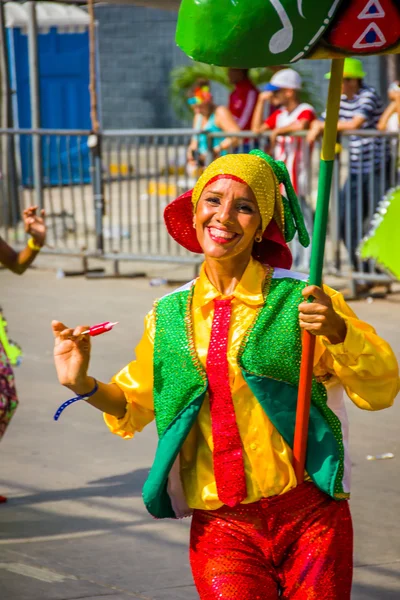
{"type": "Point", "coordinates": [100, 328]}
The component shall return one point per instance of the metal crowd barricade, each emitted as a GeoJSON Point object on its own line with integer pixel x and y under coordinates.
{"type": "Point", "coordinates": [143, 170]}
{"type": "Point", "coordinates": [66, 187]}
{"type": "Point", "coordinates": [360, 182]}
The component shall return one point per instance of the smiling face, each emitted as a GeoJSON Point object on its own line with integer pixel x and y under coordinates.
{"type": "Point", "coordinates": [227, 219]}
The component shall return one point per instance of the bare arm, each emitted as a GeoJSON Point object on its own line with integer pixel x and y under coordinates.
{"type": "Point", "coordinates": [300, 125]}
{"type": "Point", "coordinates": [296, 126]}
{"type": "Point", "coordinates": [18, 262]}
{"type": "Point", "coordinates": [317, 127]}
{"type": "Point", "coordinates": [388, 112]}
{"type": "Point", "coordinates": [398, 105]}
{"type": "Point", "coordinates": [394, 107]}
{"type": "Point", "coordinates": [354, 123]}
{"type": "Point", "coordinates": [193, 141]}
{"type": "Point", "coordinates": [257, 124]}
{"type": "Point", "coordinates": [225, 120]}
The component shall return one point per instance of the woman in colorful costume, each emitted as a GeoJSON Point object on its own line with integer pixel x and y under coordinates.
{"type": "Point", "coordinates": [218, 369]}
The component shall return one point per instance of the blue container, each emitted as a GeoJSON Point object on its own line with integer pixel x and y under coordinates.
{"type": "Point", "coordinates": [64, 103]}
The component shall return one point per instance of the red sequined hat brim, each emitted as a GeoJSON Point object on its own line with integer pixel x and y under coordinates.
{"type": "Point", "coordinates": [178, 217]}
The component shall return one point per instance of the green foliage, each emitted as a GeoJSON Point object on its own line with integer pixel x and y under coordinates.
{"type": "Point", "coordinates": [182, 78]}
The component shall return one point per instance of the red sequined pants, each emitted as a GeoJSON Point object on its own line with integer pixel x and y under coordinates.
{"type": "Point", "coordinates": [298, 545]}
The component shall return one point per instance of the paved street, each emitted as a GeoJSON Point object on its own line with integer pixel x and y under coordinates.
{"type": "Point", "coordinates": [75, 526]}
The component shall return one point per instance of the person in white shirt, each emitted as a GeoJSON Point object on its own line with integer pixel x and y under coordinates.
{"type": "Point", "coordinates": [292, 116]}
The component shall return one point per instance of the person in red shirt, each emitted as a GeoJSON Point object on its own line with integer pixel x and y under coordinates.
{"type": "Point", "coordinates": [243, 99]}
{"type": "Point", "coordinates": [292, 116]}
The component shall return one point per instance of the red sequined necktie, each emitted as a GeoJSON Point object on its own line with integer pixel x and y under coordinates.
{"type": "Point", "coordinates": [227, 456]}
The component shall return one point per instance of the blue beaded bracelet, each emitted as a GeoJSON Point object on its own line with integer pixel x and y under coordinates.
{"type": "Point", "coordinates": [75, 399]}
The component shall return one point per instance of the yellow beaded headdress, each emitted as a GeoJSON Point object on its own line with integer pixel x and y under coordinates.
{"type": "Point", "coordinates": [258, 175]}
{"type": "Point", "coordinates": [280, 216]}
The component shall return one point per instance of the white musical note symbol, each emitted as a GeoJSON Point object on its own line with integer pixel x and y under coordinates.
{"type": "Point", "coordinates": [283, 38]}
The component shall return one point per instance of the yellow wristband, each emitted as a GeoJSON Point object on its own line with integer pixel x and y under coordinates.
{"type": "Point", "coordinates": [33, 246]}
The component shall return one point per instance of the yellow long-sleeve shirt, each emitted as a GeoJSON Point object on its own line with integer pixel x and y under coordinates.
{"type": "Point", "coordinates": [364, 364]}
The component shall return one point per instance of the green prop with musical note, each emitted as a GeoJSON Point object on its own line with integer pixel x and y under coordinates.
{"type": "Point", "coordinates": [248, 33]}
{"type": "Point", "coordinates": [259, 33]}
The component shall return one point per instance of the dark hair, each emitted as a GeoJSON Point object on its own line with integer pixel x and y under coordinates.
{"type": "Point", "coordinates": [244, 71]}
{"type": "Point", "coordinates": [200, 82]}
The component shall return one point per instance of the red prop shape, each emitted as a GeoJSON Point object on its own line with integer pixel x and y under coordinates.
{"type": "Point", "coordinates": [366, 26]}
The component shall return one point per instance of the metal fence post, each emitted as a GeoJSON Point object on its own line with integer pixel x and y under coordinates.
{"type": "Point", "coordinates": [210, 153]}
{"type": "Point", "coordinates": [136, 195]}
{"type": "Point", "coordinates": [94, 140]}
{"type": "Point", "coordinates": [7, 160]}
{"type": "Point", "coordinates": [35, 101]}
{"type": "Point", "coordinates": [94, 143]}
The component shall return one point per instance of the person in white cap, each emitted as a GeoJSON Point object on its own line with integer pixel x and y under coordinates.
{"type": "Point", "coordinates": [292, 116]}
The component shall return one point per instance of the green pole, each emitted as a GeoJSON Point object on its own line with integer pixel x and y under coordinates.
{"type": "Point", "coordinates": [317, 263]}
{"type": "Point", "coordinates": [321, 221]}
{"type": "Point", "coordinates": [326, 172]}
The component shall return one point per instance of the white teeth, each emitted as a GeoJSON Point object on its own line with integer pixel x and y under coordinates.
{"type": "Point", "coordinates": [227, 235]}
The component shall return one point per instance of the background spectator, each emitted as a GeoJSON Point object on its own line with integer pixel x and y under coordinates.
{"type": "Point", "coordinates": [360, 108]}
{"type": "Point", "coordinates": [34, 225]}
{"type": "Point", "coordinates": [291, 117]}
{"type": "Point", "coordinates": [390, 119]}
{"type": "Point", "coordinates": [209, 118]}
{"type": "Point", "coordinates": [267, 103]}
{"type": "Point", "coordinates": [243, 99]}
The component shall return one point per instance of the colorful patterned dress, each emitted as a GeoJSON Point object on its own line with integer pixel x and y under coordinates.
{"type": "Point", "coordinates": [8, 393]}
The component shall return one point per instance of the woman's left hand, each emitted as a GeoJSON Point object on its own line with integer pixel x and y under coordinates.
{"type": "Point", "coordinates": [319, 317]}
{"type": "Point", "coordinates": [34, 224]}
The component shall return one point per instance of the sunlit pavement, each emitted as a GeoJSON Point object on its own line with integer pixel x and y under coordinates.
{"type": "Point", "coordinates": [75, 525]}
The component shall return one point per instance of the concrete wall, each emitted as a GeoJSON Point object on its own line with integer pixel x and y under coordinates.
{"type": "Point", "coordinates": [137, 52]}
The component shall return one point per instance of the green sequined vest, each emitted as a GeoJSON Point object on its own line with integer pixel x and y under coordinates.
{"type": "Point", "coordinates": [269, 358]}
